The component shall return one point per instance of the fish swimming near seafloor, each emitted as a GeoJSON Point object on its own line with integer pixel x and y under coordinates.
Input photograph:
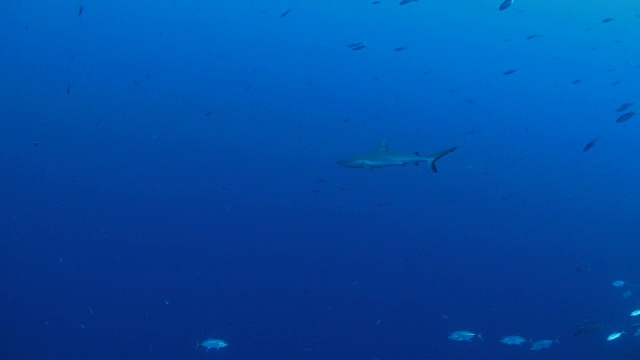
{"type": "Point", "coordinates": [382, 156]}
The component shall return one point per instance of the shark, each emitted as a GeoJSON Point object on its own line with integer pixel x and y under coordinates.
{"type": "Point", "coordinates": [382, 156]}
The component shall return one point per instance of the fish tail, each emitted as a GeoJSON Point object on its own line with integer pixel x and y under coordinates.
{"type": "Point", "coordinates": [436, 156]}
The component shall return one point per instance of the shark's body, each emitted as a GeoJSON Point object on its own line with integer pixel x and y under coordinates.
{"type": "Point", "coordinates": [383, 157]}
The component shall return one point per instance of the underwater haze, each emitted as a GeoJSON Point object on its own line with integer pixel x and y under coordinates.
{"type": "Point", "coordinates": [171, 186]}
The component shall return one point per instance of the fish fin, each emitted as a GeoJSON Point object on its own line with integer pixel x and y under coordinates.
{"type": "Point", "coordinates": [436, 156]}
{"type": "Point", "coordinates": [382, 145]}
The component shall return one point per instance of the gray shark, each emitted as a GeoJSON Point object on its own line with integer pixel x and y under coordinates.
{"type": "Point", "coordinates": [383, 157]}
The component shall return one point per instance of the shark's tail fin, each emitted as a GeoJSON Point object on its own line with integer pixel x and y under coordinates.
{"type": "Point", "coordinates": [436, 156]}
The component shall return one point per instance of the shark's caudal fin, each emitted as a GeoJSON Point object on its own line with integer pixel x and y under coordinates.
{"type": "Point", "coordinates": [436, 156]}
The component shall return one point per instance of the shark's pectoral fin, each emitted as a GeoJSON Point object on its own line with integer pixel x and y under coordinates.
{"type": "Point", "coordinates": [436, 156]}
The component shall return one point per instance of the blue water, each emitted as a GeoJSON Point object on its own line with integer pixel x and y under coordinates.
{"type": "Point", "coordinates": [169, 175]}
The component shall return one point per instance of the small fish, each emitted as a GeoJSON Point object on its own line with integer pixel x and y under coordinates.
{"type": "Point", "coordinates": [513, 340]}
{"type": "Point", "coordinates": [509, 72]}
{"type": "Point", "coordinates": [625, 117]}
{"type": "Point", "coordinates": [399, 48]}
{"type": "Point", "coordinates": [624, 107]}
{"type": "Point", "coordinates": [36, 144]}
{"type": "Point", "coordinates": [213, 344]}
{"type": "Point", "coordinates": [463, 335]}
{"type": "Point", "coordinates": [506, 197]}
{"type": "Point", "coordinates": [68, 90]}
{"type": "Point", "coordinates": [618, 283]}
{"type": "Point", "coordinates": [590, 145]}
{"type": "Point", "coordinates": [505, 5]}
{"type": "Point", "coordinates": [355, 44]}
{"type": "Point", "coordinates": [285, 13]}
{"type": "Point", "coordinates": [607, 20]}
{"type": "Point", "coordinates": [576, 81]}
{"type": "Point", "coordinates": [209, 113]}
{"type": "Point", "coordinates": [635, 313]}
{"type": "Point", "coordinates": [80, 10]}
{"type": "Point", "coordinates": [542, 344]}
{"type": "Point", "coordinates": [615, 335]}
{"type": "Point", "coordinates": [587, 327]}
{"type": "Point", "coordinates": [375, 2]}
{"type": "Point", "coordinates": [530, 37]}
{"type": "Point", "coordinates": [585, 267]}
{"type": "Point", "coordinates": [405, 2]}
{"type": "Point", "coordinates": [358, 47]}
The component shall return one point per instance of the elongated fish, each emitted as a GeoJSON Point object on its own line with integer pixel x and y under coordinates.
{"type": "Point", "coordinates": [213, 344]}
{"type": "Point", "coordinates": [624, 107]}
{"type": "Point", "coordinates": [505, 5]}
{"type": "Point", "coordinates": [382, 156]}
{"type": "Point", "coordinates": [624, 117]}
{"type": "Point", "coordinates": [463, 335]}
{"type": "Point", "coordinates": [590, 145]}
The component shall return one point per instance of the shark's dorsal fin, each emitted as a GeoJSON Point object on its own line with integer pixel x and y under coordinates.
{"type": "Point", "coordinates": [382, 145]}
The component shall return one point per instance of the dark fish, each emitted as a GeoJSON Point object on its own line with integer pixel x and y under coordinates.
{"type": "Point", "coordinates": [285, 13]}
{"type": "Point", "coordinates": [583, 268]}
{"type": "Point", "coordinates": [405, 2]}
{"type": "Point", "coordinates": [587, 327]}
{"type": "Point", "coordinates": [35, 144]}
{"type": "Point", "coordinates": [615, 83]}
{"type": "Point", "coordinates": [358, 47]}
{"type": "Point", "coordinates": [209, 113]}
{"type": "Point", "coordinates": [505, 5]}
{"type": "Point", "coordinates": [399, 48]}
{"type": "Point", "coordinates": [576, 81]}
{"type": "Point", "coordinates": [80, 10]}
{"type": "Point", "coordinates": [606, 20]}
{"type": "Point", "coordinates": [354, 44]}
{"type": "Point", "coordinates": [375, 2]}
{"type": "Point", "coordinates": [68, 91]}
{"type": "Point", "coordinates": [509, 72]}
{"type": "Point", "coordinates": [590, 145]}
{"type": "Point", "coordinates": [625, 117]}
{"type": "Point", "coordinates": [533, 36]}
{"type": "Point", "coordinates": [624, 107]}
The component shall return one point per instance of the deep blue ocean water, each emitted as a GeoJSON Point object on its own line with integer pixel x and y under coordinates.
{"type": "Point", "coordinates": [169, 175]}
